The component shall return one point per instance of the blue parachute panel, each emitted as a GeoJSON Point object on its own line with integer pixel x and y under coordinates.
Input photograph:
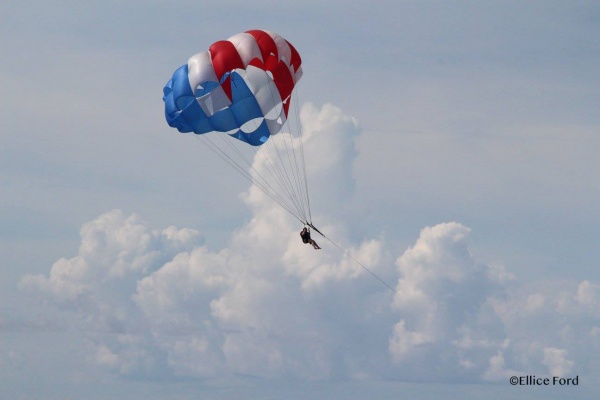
{"type": "Point", "coordinates": [223, 121]}
{"type": "Point", "coordinates": [182, 110]}
{"type": "Point", "coordinates": [257, 137]}
{"type": "Point", "coordinates": [245, 105]}
{"type": "Point", "coordinates": [245, 108]}
{"type": "Point", "coordinates": [206, 88]}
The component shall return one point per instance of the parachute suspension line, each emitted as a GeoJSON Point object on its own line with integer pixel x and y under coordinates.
{"type": "Point", "coordinates": [355, 260]}
{"type": "Point", "coordinates": [229, 142]}
{"type": "Point", "coordinates": [279, 178]}
{"type": "Point", "coordinates": [283, 172]}
{"type": "Point", "coordinates": [296, 170]}
{"type": "Point", "coordinates": [295, 162]}
{"type": "Point", "coordinates": [299, 129]}
{"type": "Point", "coordinates": [214, 147]}
{"type": "Point", "coordinates": [296, 104]}
{"type": "Point", "coordinates": [282, 168]}
{"type": "Point", "coordinates": [236, 166]}
{"type": "Point", "coordinates": [274, 159]}
{"type": "Point", "coordinates": [280, 174]}
{"type": "Point", "coordinates": [288, 167]}
{"type": "Point", "coordinates": [275, 164]}
{"type": "Point", "coordinates": [276, 168]}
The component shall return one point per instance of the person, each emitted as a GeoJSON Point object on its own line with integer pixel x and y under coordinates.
{"type": "Point", "coordinates": [305, 235]}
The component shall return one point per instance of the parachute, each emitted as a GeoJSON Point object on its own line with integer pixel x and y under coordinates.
{"type": "Point", "coordinates": [244, 88]}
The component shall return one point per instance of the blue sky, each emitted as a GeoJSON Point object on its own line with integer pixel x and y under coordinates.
{"type": "Point", "coordinates": [464, 137]}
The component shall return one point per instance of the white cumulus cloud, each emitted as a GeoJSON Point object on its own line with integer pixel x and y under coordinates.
{"type": "Point", "coordinates": [158, 301]}
{"type": "Point", "coordinates": [557, 362]}
{"type": "Point", "coordinates": [444, 303]}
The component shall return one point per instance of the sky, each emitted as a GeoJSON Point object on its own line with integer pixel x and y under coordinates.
{"type": "Point", "coordinates": [451, 149]}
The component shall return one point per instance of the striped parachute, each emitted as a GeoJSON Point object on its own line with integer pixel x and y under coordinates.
{"type": "Point", "coordinates": [243, 87]}
{"type": "Point", "coordinates": [240, 86]}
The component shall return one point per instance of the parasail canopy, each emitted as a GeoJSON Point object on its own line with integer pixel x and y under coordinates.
{"type": "Point", "coordinates": [244, 88]}
{"type": "Point", "coordinates": [241, 86]}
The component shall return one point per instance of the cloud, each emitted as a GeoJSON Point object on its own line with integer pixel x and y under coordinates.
{"type": "Point", "coordinates": [115, 251]}
{"type": "Point", "coordinates": [329, 149]}
{"type": "Point", "coordinates": [557, 362]}
{"type": "Point", "coordinates": [588, 294]}
{"type": "Point", "coordinates": [158, 302]}
{"type": "Point", "coordinates": [445, 306]}
{"type": "Point", "coordinates": [552, 327]}
{"type": "Point", "coordinates": [496, 369]}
